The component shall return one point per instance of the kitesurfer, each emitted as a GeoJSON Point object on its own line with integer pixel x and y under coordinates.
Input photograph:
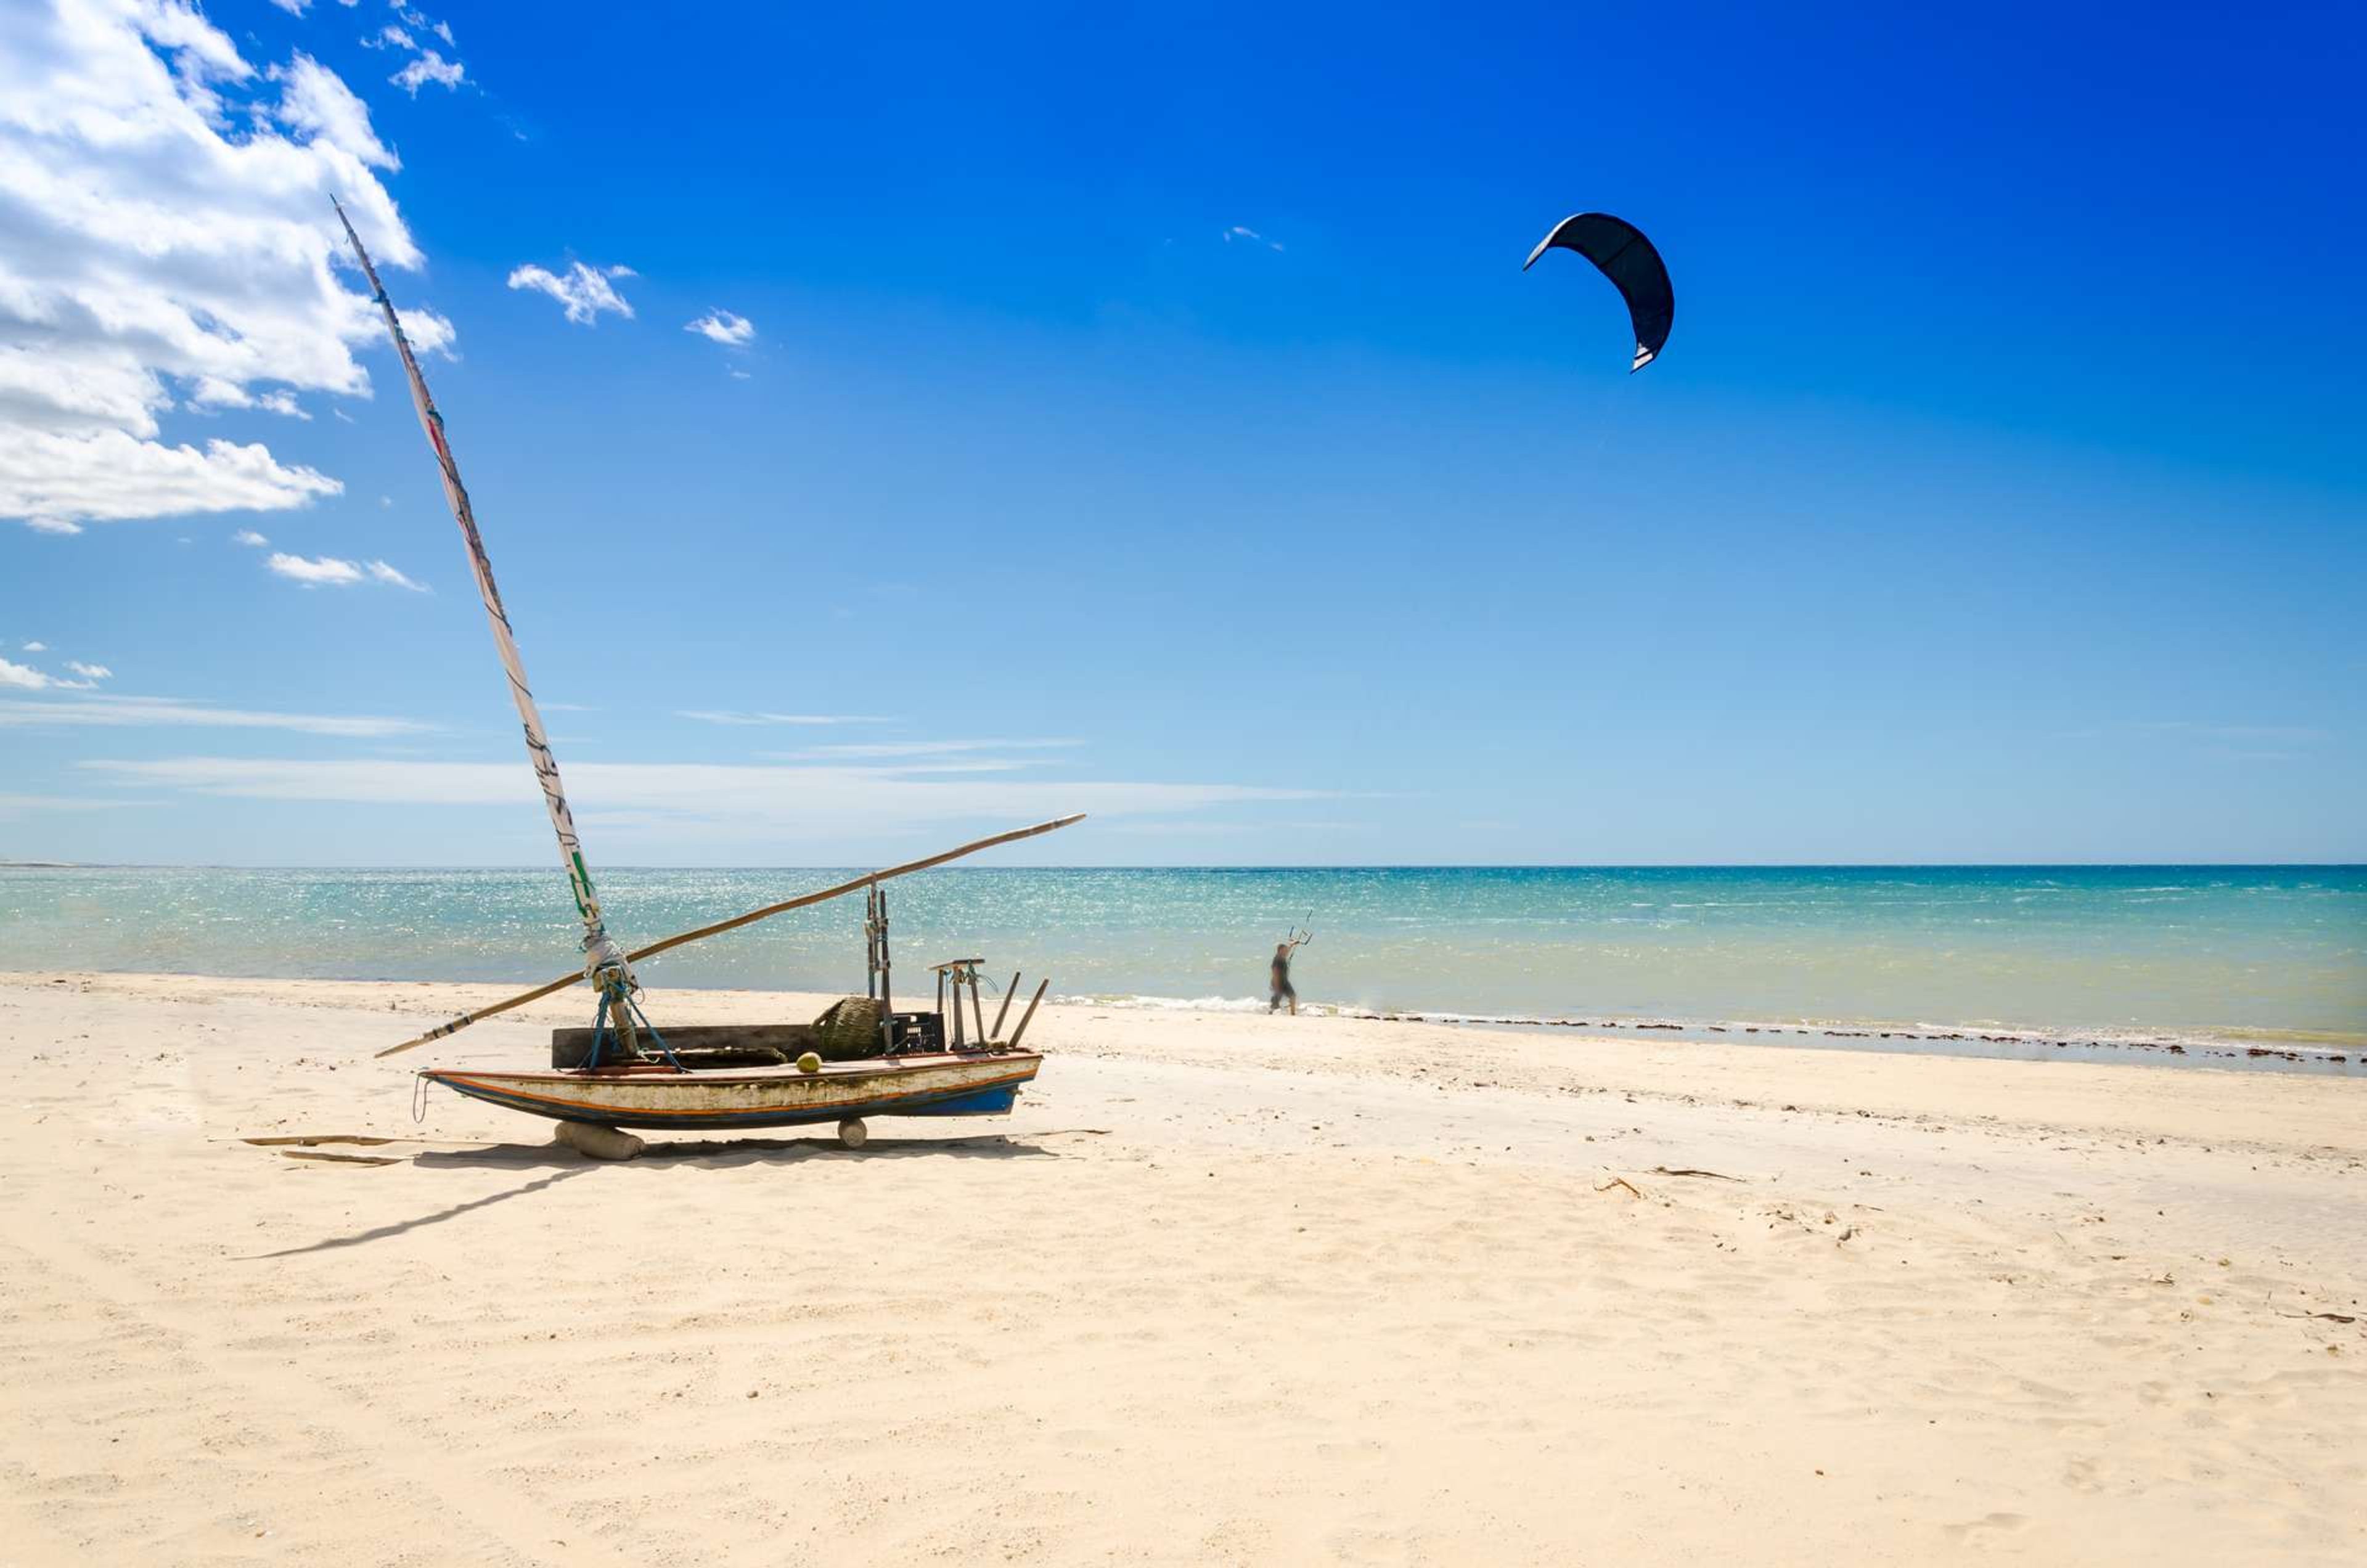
{"type": "Point", "coordinates": [1280, 977]}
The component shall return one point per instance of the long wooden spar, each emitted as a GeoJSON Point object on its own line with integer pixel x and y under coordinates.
{"type": "Point", "coordinates": [844, 888]}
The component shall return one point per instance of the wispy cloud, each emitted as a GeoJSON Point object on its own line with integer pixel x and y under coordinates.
{"type": "Point", "coordinates": [19, 804]}
{"type": "Point", "coordinates": [889, 750]}
{"type": "Point", "coordinates": [685, 795]}
{"type": "Point", "coordinates": [1240, 231]}
{"type": "Point", "coordinates": [417, 18]}
{"type": "Point", "coordinates": [130, 712]}
{"type": "Point", "coordinates": [726, 327]}
{"type": "Point", "coordinates": [381, 572]}
{"type": "Point", "coordinates": [583, 293]}
{"type": "Point", "coordinates": [250, 538]}
{"type": "Point", "coordinates": [1148, 827]}
{"type": "Point", "coordinates": [90, 671]}
{"type": "Point", "coordinates": [2203, 730]}
{"type": "Point", "coordinates": [711, 716]}
{"type": "Point", "coordinates": [2236, 732]}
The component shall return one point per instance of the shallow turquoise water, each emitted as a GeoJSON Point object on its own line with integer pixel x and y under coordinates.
{"type": "Point", "coordinates": [2226, 953]}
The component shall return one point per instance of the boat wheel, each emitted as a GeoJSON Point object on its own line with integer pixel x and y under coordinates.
{"type": "Point", "coordinates": [852, 1133]}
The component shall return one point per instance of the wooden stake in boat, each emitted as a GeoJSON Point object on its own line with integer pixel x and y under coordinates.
{"type": "Point", "coordinates": [1025, 1018]}
{"type": "Point", "coordinates": [844, 888]}
{"type": "Point", "coordinates": [1004, 1010]}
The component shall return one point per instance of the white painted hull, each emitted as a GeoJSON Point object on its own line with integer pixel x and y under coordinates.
{"type": "Point", "coordinates": [980, 1085]}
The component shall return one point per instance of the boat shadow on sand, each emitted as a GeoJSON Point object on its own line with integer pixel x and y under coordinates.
{"type": "Point", "coordinates": [724, 1153]}
{"type": "Point", "coordinates": [564, 1164]}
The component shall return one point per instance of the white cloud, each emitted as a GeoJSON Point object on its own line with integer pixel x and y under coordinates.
{"type": "Point", "coordinates": [25, 678]}
{"type": "Point", "coordinates": [390, 36]}
{"type": "Point", "coordinates": [711, 716]}
{"type": "Point", "coordinates": [129, 711]}
{"type": "Point", "coordinates": [315, 101]}
{"type": "Point", "coordinates": [314, 572]}
{"type": "Point", "coordinates": [294, 7]}
{"type": "Point", "coordinates": [165, 205]}
{"type": "Point", "coordinates": [734, 799]}
{"type": "Point", "coordinates": [583, 293]}
{"type": "Point", "coordinates": [726, 327]}
{"type": "Point", "coordinates": [250, 537]}
{"type": "Point", "coordinates": [429, 66]}
{"type": "Point", "coordinates": [1240, 231]}
{"type": "Point", "coordinates": [444, 31]}
{"type": "Point", "coordinates": [49, 480]}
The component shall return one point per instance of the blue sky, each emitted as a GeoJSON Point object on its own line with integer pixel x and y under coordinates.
{"type": "Point", "coordinates": [1148, 414]}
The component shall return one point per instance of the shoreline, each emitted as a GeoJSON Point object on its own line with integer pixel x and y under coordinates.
{"type": "Point", "coordinates": [2306, 1050]}
{"type": "Point", "coordinates": [2312, 1054]}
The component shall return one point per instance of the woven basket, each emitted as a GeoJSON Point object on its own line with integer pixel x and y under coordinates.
{"type": "Point", "coordinates": [848, 1030]}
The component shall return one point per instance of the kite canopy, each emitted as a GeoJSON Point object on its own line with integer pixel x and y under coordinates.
{"type": "Point", "coordinates": [1624, 255]}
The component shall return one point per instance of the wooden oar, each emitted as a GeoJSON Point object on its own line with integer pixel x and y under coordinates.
{"type": "Point", "coordinates": [844, 888]}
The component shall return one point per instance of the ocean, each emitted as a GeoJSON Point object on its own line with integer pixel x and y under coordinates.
{"type": "Point", "coordinates": [2222, 962]}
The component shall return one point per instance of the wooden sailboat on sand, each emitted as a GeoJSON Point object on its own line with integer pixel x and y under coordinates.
{"type": "Point", "coordinates": [623, 1072]}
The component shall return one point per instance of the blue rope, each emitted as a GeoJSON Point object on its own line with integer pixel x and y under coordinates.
{"type": "Point", "coordinates": [620, 996]}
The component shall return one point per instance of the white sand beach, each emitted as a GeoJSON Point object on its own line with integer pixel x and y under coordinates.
{"type": "Point", "coordinates": [1223, 1290]}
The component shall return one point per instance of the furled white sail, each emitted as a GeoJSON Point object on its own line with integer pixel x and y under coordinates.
{"type": "Point", "coordinates": [599, 953]}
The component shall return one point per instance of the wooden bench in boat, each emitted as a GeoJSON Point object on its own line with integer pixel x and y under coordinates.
{"type": "Point", "coordinates": [702, 1044]}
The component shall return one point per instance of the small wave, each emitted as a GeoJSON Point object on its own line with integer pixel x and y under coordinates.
{"type": "Point", "coordinates": [2293, 1046]}
{"type": "Point", "coordinates": [1170, 1004]}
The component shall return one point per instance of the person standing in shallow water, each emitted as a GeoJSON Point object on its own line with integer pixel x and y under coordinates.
{"type": "Point", "coordinates": [1280, 978]}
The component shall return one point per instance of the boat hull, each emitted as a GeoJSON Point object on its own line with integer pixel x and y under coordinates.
{"type": "Point", "coordinates": [661, 1098]}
